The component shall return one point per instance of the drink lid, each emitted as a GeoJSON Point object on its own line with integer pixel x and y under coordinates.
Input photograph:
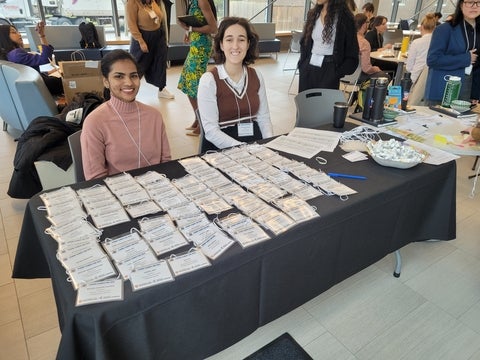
{"type": "Point", "coordinates": [452, 78]}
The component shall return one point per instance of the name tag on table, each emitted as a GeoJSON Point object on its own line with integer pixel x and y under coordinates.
{"type": "Point", "coordinates": [245, 129]}
{"type": "Point", "coordinates": [100, 291]}
{"type": "Point", "coordinates": [191, 261]}
{"type": "Point", "coordinates": [150, 275]}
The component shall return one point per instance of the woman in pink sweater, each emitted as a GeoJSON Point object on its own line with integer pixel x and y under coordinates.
{"type": "Point", "coordinates": [122, 134]}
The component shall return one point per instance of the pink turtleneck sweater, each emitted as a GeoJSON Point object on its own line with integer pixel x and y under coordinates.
{"type": "Point", "coordinates": [114, 142]}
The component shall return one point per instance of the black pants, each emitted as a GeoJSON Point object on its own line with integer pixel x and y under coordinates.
{"type": "Point", "coordinates": [324, 77]}
{"type": "Point", "coordinates": [154, 63]}
{"type": "Point", "coordinates": [232, 131]}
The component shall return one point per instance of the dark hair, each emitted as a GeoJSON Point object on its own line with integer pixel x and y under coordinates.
{"type": "Point", "coordinates": [458, 15]}
{"type": "Point", "coordinates": [6, 44]}
{"type": "Point", "coordinates": [438, 15]}
{"type": "Point", "coordinates": [359, 20]}
{"type": "Point", "coordinates": [368, 7]}
{"type": "Point", "coordinates": [252, 51]}
{"type": "Point", "coordinates": [378, 20]}
{"type": "Point", "coordinates": [335, 8]}
{"type": "Point", "coordinates": [111, 58]}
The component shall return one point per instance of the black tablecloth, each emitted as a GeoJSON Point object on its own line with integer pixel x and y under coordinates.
{"type": "Point", "coordinates": [203, 312]}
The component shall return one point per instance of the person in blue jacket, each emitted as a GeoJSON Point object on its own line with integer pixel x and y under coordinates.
{"type": "Point", "coordinates": [453, 51]}
{"type": "Point", "coordinates": [12, 49]}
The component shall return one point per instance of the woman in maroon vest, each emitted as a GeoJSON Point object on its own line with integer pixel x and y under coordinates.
{"type": "Point", "coordinates": [232, 100]}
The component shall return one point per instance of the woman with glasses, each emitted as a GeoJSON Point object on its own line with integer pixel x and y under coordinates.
{"type": "Point", "coordinates": [453, 51]}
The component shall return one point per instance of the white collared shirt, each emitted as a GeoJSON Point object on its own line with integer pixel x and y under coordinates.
{"type": "Point", "coordinates": [207, 105]}
{"type": "Point", "coordinates": [321, 48]}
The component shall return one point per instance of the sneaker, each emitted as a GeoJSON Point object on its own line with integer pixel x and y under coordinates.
{"type": "Point", "coordinates": [165, 94]}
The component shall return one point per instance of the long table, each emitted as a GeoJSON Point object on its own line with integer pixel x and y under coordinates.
{"type": "Point", "coordinates": [203, 312]}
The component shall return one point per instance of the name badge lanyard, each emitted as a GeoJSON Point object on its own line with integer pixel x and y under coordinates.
{"type": "Point", "coordinates": [244, 128]}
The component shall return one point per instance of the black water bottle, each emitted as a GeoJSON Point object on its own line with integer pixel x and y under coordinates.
{"type": "Point", "coordinates": [406, 84]}
{"type": "Point", "coordinates": [379, 95]}
{"type": "Point", "coordinates": [367, 104]}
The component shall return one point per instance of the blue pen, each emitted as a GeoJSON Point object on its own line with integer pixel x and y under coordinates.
{"type": "Point", "coordinates": [347, 176]}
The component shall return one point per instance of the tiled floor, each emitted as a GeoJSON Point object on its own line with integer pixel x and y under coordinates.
{"type": "Point", "coordinates": [431, 312]}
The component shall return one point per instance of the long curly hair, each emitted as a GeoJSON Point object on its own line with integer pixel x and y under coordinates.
{"type": "Point", "coordinates": [335, 10]}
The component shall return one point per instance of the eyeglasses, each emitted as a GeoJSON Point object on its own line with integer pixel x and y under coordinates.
{"type": "Point", "coordinates": [471, 3]}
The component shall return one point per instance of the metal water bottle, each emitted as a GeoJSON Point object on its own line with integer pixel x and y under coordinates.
{"type": "Point", "coordinates": [368, 102]}
{"type": "Point", "coordinates": [452, 89]}
{"type": "Point", "coordinates": [406, 84]}
{"type": "Point", "coordinates": [379, 95]}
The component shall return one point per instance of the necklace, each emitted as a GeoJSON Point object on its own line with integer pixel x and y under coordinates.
{"type": "Point", "coordinates": [139, 144]}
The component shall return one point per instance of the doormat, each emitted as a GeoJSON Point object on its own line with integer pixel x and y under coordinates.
{"type": "Point", "coordinates": [284, 347]}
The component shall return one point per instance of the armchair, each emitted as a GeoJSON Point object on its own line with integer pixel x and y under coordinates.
{"type": "Point", "coordinates": [28, 93]}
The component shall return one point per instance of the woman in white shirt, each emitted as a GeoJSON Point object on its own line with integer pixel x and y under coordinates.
{"type": "Point", "coordinates": [417, 53]}
{"type": "Point", "coordinates": [232, 99]}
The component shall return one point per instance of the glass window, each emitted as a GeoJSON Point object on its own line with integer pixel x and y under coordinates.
{"type": "Point", "coordinates": [248, 9]}
{"type": "Point", "coordinates": [288, 15]}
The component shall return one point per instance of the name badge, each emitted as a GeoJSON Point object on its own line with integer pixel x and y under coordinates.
{"type": "Point", "coordinates": [245, 129]}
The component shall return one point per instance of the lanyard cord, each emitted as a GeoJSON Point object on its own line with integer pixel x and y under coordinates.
{"type": "Point", "coordinates": [139, 144]}
{"type": "Point", "coordinates": [467, 38]}
{"type": "Point", "coordinates": [240, 94]}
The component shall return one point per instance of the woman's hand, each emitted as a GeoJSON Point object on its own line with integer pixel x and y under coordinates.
{"type": "Point", "coordinates": [473, 56]}
{"type": "Point", "coordinates": [183, 25]}
{"type": "Point", "coordinates": [144, 47]}
{"type": "Point", "coordinates": [40, 29]}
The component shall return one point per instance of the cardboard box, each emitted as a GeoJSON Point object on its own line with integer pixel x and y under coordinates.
{"type": "Point", "coordinates": [80, 76]}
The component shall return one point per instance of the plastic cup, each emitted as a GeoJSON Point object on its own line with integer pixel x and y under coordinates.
{"type": "Point", "coordinates": [396, 49]}
{"type": "Point", "coordinates": [339, 114]}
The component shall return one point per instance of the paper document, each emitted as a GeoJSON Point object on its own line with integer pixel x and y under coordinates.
{"type": "Point", "coordinates": [306, 142]}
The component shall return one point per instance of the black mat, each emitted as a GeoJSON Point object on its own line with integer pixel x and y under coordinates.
{"type": "Point", "coordinates": [284, 347]}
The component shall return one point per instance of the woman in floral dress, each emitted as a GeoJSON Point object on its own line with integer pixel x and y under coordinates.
{"type": "Point", "coordinates": [200, 50]}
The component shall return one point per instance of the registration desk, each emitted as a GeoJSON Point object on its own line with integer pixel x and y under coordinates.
{"type": "Point", "coordinates": [203, 312]}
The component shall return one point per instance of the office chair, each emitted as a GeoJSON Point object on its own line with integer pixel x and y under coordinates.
{"type": "Point", "coordinates": [51, 176]}
{"type": "Point", "coordinates": [294, 47]}
{"type": "Point", "coordinates": [315, 106]}
{"type": "Point", "coordinates": [76, 151]}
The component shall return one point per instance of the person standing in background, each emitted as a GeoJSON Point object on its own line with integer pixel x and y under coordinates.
{"type": "Point", "coordinates": [148, 26]}
{"type": "Point", "coordinates": [417, 52]}
{"type": "Point", "coordinates": [329, 46]}
{"type": "Point", "coordinates": [454, 51]}
{"type": "Point", "coordinates": [369, 11]}
{"type": "Point", "coordinates": [11, 49]}
{"type": "Point", "coordinates": [200, 40]}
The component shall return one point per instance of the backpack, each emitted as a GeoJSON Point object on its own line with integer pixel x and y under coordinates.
{"type": "Point", "coordinates": [89, 36]}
